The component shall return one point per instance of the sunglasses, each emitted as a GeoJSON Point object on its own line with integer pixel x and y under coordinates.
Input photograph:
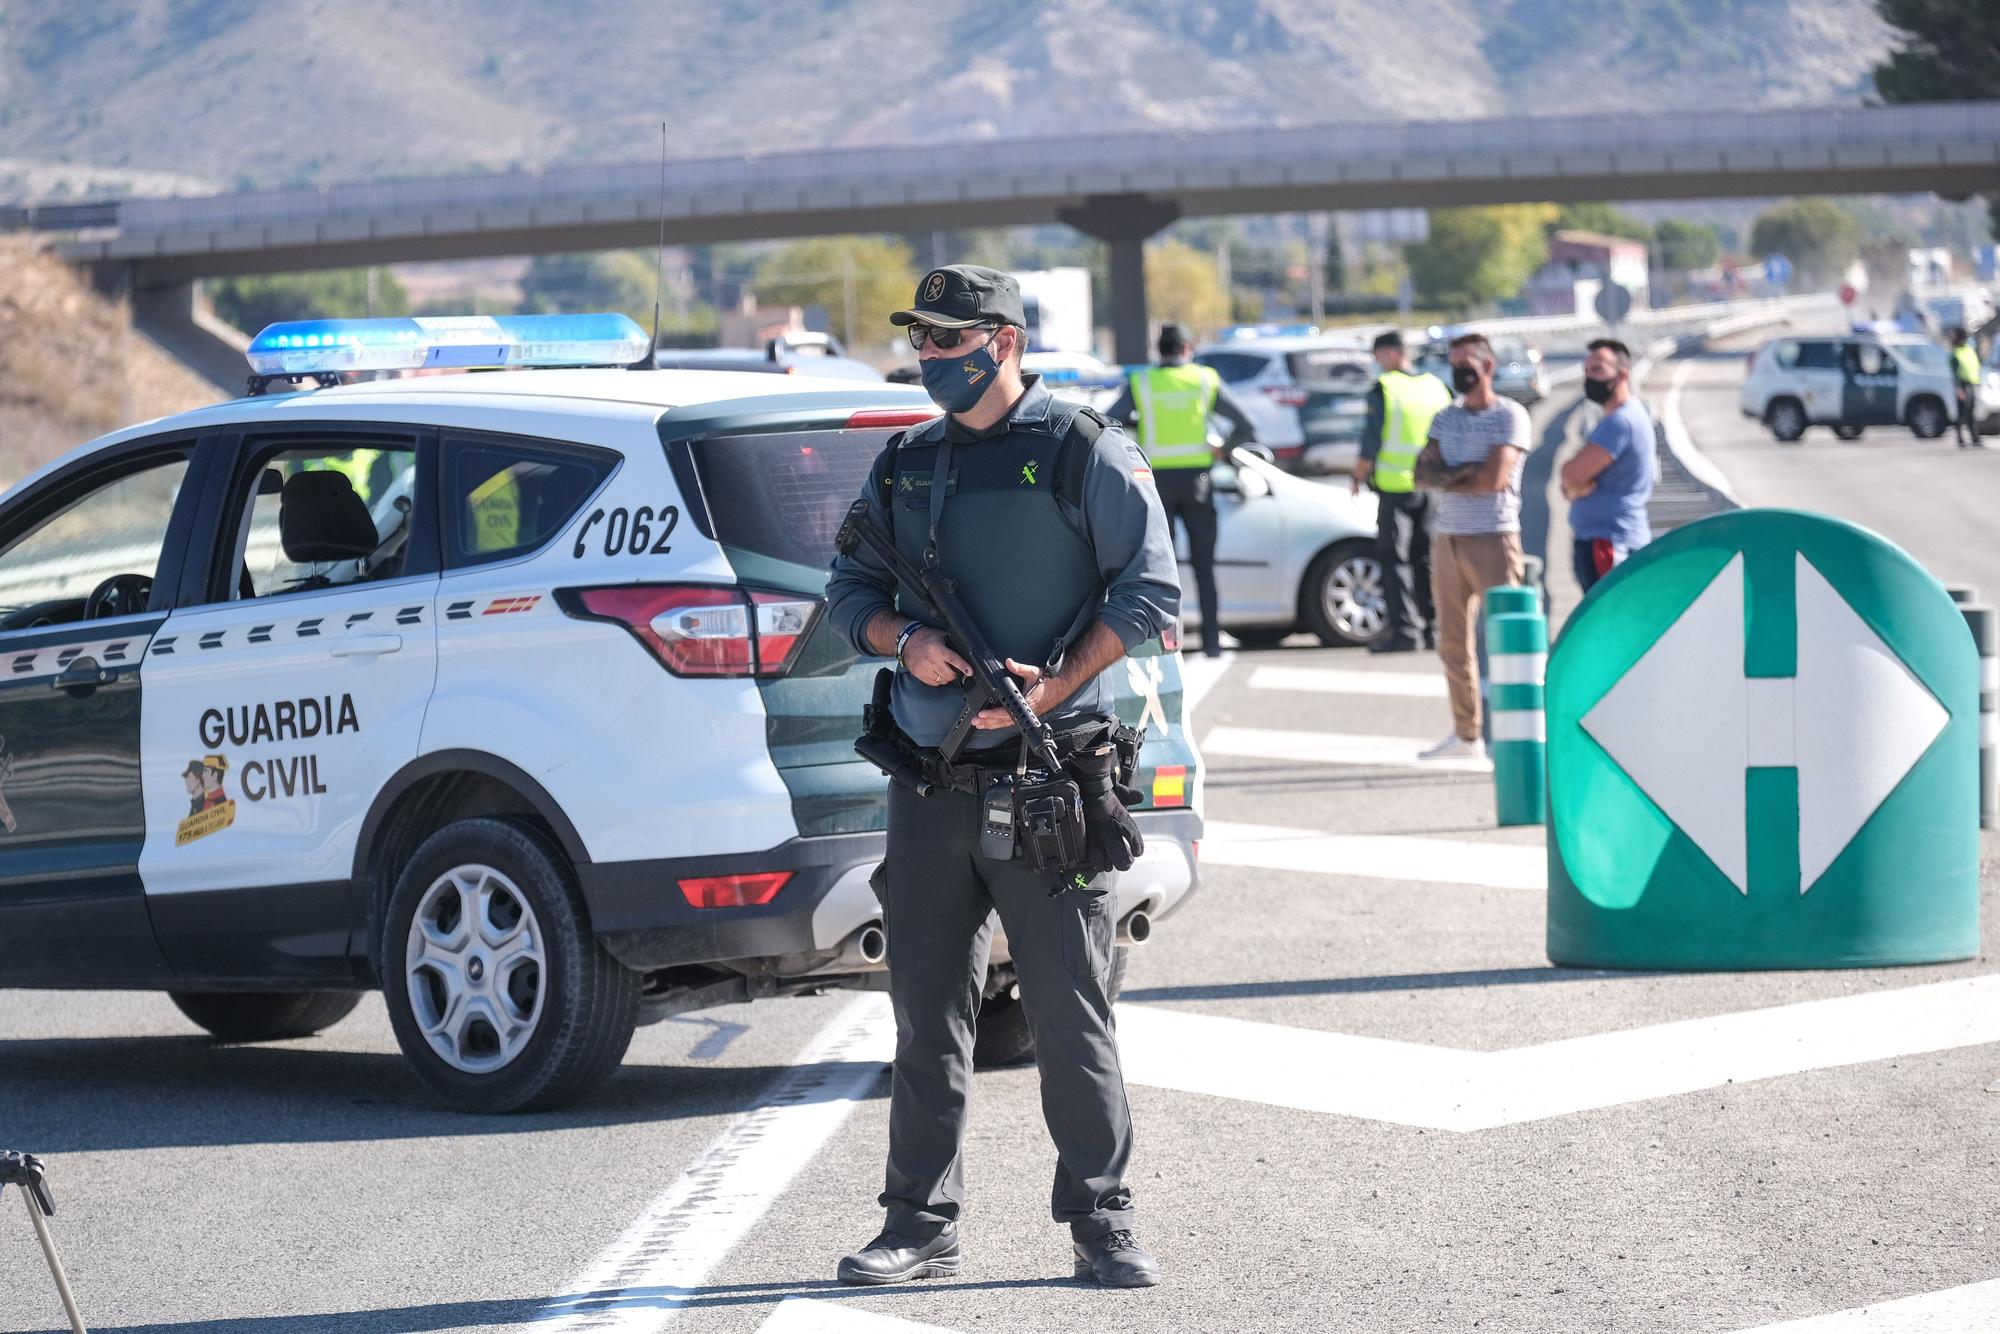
{"type": "Point", "coordinates": [943, 338]}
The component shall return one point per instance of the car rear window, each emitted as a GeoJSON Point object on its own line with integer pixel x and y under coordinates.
{"type": "Point", "coordinates": [1334, 367]}
{"type": "Point", "coordinates": [1234, 367]}
{"type": "Point", "coordinates": [783, 495]}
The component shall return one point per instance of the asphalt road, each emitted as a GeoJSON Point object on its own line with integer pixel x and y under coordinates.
{"type": "Point", "coordinates": [1316, 1048]}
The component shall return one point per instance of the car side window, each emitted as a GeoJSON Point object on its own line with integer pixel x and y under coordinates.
{"type": "Point", "coordinates": [323, 516]}
{"type": "Point", "coordinates": [96, 556]}
{"type": "Point", "coordinates": [1819, 356]}
{"type": "Point", "coordinates": [1234, 367]}
{"type": "Point", "coordinates": [1786, 354]}
{"type": "Point", "coordinates": [1869, 359]}
{"type": "Point", "coordinates": [505, 497]}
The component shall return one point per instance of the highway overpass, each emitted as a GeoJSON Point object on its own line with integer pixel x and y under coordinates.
{"type": "Point", "coordinates": [1120, 188]}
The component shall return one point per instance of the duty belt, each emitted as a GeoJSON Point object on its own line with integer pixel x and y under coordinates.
{"type": "Point", "coordinates": [973, 777]}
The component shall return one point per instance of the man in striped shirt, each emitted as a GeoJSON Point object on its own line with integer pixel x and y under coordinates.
{"type": "Point", "coordinates": [1473, 464]}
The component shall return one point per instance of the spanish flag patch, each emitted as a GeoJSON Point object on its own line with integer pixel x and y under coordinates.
{"type": "Point", "coordinates": [1170, 785]}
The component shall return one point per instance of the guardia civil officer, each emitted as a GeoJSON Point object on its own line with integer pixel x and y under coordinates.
{"type": "Point", "coordinates": [1400, 409]}
{"type": "Point", "coordinates": [1172, 403]}
{"type": "Point", "coordinates": [1063, 558]}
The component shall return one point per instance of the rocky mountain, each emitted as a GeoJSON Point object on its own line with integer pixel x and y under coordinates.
{"type": "Point", "coordinates": [265, 92]}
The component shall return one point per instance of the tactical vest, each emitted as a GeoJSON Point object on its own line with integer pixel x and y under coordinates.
{"type": "Point", "coordinates": [1024, 570]}
{"type": "Point", "coordinates": [1409, 402]}
{"type": "Point", "coordinates": [1174, 404]}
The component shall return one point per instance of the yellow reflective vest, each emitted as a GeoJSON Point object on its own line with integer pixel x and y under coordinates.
{"type": "Point", "coordinates": [1966, 361]}
{"type": "Point", "coordinates": [1174, 404]}
{"type": "Point", "coordinates": [1408, 404]}
{"type": "Point", "coordinates": [495, 511]}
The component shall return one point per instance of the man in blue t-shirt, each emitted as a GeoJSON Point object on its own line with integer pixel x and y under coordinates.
{"type": "Point", "coordinates": [1610, 479]}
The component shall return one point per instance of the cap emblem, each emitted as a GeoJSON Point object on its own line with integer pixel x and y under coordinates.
{"type": "Point", "coordinates": [934, 287]}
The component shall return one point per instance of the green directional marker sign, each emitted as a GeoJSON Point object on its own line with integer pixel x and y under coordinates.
{"type": "Point", "coordinates": [1763, 753]}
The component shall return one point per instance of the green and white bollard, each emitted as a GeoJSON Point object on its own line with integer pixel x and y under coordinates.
{"type": "Point", "coordinates": [1517, 649]}
{"type": "Point", "coordinates": [1984, 622]}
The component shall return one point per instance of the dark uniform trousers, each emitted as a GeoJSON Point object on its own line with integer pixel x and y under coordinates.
{"type": "Point", "coordinates": [1403, 545]}
{"type": "Point", "coordinates": [1186, 495]}
{"type": "Point", "coordinates": [939, 895]}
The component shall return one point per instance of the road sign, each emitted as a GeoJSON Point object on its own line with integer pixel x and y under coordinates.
{"type": "Point", "coordinates": [1847, 294]}
{"type": "Point", "coordinates": [1986, 260]}
{"type": "Point", "coordinates": [1763, 753]}
{"type": "Point", "coordinates": [1777, 270]}
{"type": "Point", "coordinates": [1613, 302]}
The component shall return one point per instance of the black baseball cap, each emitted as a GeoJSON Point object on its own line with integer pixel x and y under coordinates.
{"type": "Point", "coordinates": [959, 296]}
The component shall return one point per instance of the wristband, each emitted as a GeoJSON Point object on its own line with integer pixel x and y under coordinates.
{"type": "Point", "coordinates": [903, 639]}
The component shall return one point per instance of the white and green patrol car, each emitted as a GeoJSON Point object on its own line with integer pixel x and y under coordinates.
{"type": "Point", "coordinates": [508, 694]}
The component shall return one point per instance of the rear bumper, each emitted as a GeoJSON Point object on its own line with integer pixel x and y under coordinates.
{"type": "Point", "coordinates": [638, 912]}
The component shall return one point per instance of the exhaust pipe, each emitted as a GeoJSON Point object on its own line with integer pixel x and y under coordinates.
{"type": "Point", "coordinates": [866, 948]}
{"type": "Point", "coordinates": [1135, 927]}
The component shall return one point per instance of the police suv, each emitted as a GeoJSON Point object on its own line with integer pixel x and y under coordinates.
{"type": "Point", "coordinates": [508, 694]}
{"type": "Point", "coordinates": [1850, 383]}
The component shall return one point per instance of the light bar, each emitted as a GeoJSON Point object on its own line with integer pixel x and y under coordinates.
{"type": "Point", "coordinates": [317, 347]}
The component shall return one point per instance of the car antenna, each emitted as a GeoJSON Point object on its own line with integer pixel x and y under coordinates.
{"type": "Point", "coordinates": [651, 360]}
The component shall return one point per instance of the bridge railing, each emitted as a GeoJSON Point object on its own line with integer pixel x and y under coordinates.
{"type": "Point", "coordinates": [1120, 161]}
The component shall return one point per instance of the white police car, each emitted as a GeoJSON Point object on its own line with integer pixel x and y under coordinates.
{"type": "Point", "coordinates": [1850, 382]}
{"type": "Point", "coordinates": [509, 694]}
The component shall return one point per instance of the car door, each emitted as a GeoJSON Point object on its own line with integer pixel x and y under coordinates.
{"type": "Point", "coordinates": [1869, 385]}
{"type": "Point", "coordinates": [88, 562]}
{"type": "Point", "coordinates": [1820, 378]}
{"type": "Point", "coordinates": [286, 689]}
{"type": "Point", "coordinates": [1249, 538]}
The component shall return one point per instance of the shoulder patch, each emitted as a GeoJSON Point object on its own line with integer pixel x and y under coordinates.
{"type": "Point", "coordinates": [1142, 467]}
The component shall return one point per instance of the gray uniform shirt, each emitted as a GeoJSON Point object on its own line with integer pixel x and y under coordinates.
{"type": "Point", "coordinates": [1119, 518]}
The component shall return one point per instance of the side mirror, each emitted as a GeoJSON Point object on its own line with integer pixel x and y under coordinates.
{"type": "Point", "coordinates": [1252, 484]}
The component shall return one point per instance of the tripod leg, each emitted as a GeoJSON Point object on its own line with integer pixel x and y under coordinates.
{"type": "Point", "coordinates": [55, 1265]}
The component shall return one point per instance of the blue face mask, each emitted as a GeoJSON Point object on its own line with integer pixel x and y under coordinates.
{"type": "Point", "coordinates": [956, 383]}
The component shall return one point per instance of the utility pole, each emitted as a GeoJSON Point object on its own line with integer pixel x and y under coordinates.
{"type": "Point", "coordinates": [1316, 265]}
{"type": "Point", "coordinates": [847, 296]}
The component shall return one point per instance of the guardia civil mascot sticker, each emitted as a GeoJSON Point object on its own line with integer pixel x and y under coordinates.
{"type": "Point", "coordinates": [209, 806]}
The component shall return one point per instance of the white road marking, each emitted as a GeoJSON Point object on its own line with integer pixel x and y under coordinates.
{"type": "Point", "coordinates": [1445, 1088]}
{"type": "Point", "coordinates": [1439, 861]}
{"type": "Point", "coordinates": [1374, 752]}
{"type": "Point", "coordinates": [1972, 1309]}
{"type": "Point", "coordinates": [639, 1283]}
{"type": "Point", "coordinates": [803, 1315]}
{"type": "Point", "coordinates": [1681, 443]}
{"type": "Point", "coordinates": [1199, 675]}
{"type": "Point", "coordinates": [1349, 681]}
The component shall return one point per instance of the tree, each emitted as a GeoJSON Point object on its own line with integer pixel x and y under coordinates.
{"type": "Point", "coordinates": [620, 280]}
{"type": "Point", "coordinates": [1602, 219]}
{"type": "Point", "coordinates": [253, 302]}
{"type": "Point", "coordinates": [1820, 238]}
{"type": "Point", "coordinates": [1182, 286]}
{"type": "Point", "coordinates": [857, 280]}
{"type": "Point", "coordinates": [1680, 244]}
{"type": "Point", "coordinates": [1478, 255]}
{"type": "Point", "coordinates": [1946, 53]}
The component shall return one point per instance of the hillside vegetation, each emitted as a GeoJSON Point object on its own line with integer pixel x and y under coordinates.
{"type": "Point", "coordinates": [252, 93]}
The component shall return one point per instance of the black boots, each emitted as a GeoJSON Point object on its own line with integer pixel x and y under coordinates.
{"type": "Point", "coordinates": [895, 1258]}
{"type": "Point", "coordinates": [1117, 1260]}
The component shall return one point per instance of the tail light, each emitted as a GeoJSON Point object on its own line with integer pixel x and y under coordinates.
{"type": "Point", "coordinates": [1284, 454]}
{"type": "Point", "coordinates": [1286, 396]}
{"type": "Point", "coordinates": [704, 629]}
{"type": "Point", "coordinates": [752, 890]}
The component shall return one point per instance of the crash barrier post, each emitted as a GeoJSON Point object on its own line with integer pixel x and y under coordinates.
{"type": "Point", "coordinates": [1984, 622]}
{"type": "Point", "coordinates": [25, 1170]}
{"type": "Point", "coordinates": [1517, 645]}
{"type": "Point", "coordinates": [1763, 736]}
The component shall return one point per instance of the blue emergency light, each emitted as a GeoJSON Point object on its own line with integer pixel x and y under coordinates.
{"type": "Point", "coordinates": [330, 347]}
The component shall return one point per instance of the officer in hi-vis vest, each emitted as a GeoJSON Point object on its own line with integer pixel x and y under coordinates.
{"type": "Point", "coordinates": [1171, 404]}
{"type": "Point", "coordinates": [1400, 408]}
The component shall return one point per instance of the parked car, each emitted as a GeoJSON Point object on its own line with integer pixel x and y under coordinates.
{"type": "Point", "coordinates": [1294, 387]}
{"type": "Point", "coordinates": [1850, 382]}
{"type": "Point", "coordinates": [814, 354]}
{"type": "Point", "coordinates": [1518, 371]}
{"type": "Point", "coordinates": [1292, 554]}
{"type": "Point", "coordinates": [511, 696]}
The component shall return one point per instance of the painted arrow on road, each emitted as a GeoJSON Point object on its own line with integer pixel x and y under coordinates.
{"type": "Point", "coordinates": [1687, 724]}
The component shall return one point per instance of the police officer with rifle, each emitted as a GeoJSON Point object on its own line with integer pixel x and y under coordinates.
{"type": "Point", "coordinates": [1005, 555]}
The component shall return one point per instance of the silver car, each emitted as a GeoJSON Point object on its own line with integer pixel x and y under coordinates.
{"type": "Point", "coordinates": [1291, 555]}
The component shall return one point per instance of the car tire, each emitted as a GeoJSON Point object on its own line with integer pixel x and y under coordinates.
{"type": "Point", "coordinates": [1342, 600]}
{"type": "Point", "coordinates": [1928, 419]}
{"type": "Point", "coordinates": [265, 1016]}
{"type": "Point", "coordinates": [487, 931]}
{"type": "Point", "coordinates": [1787, 419]}
{"type": "Point", "coordinates": [1002, 1036]}
{"type": "Point", "coordinates": [1848, 432]}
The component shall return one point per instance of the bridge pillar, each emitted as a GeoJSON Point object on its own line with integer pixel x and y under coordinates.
{"type": "Point", "coordinates": [1124, 222]}
{"type": "Point", "coordinates": [175, 316]}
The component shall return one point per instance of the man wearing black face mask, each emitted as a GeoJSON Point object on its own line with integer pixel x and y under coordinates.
{"type": "Point", "coordinates": [1045, 514]}
{"type": "Point", "coordinates": [1610, 480]}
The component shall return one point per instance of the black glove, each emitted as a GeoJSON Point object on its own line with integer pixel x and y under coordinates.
{"type": "Point", "coordinates": [1109, 830]}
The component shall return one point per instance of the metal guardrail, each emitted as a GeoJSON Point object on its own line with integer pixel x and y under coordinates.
{"type": "Point", "coordinates": [1117, 158]}
{"type": "Point", "coordinates": [59, 217]}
